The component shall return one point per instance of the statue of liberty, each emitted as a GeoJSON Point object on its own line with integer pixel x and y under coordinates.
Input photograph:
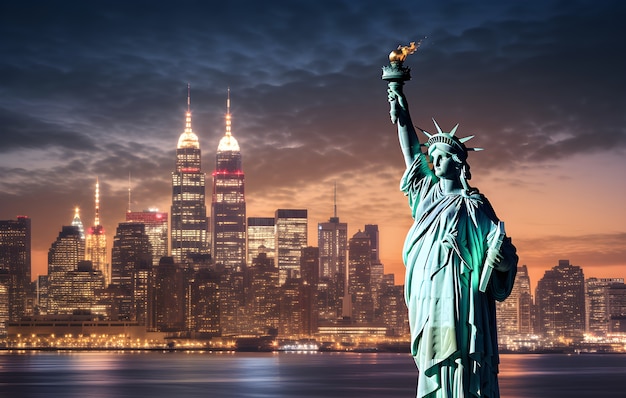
{"type": "Point", "coordinates": [458, 259]}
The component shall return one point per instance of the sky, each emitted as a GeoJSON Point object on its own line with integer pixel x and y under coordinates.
{"type": "Point", "coordinates": [98, 89]}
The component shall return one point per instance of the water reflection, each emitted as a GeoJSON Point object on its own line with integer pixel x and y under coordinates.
{"type": "Point", "coordinates": [284, 375]}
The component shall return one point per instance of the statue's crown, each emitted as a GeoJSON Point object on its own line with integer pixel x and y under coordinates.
{"type": "Point", "coordinates": [457, 145]}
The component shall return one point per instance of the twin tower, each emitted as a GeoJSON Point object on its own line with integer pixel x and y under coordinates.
{"type": "Point", "coordinates": [192, 238]}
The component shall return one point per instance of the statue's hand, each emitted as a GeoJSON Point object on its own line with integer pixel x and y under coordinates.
{"type": "Point", "coordinates": [397, 102]}
{"type": "Point", "coordinates": [507, 257]}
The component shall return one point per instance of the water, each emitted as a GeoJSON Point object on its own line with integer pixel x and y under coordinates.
{"type": "Point", "coordinates": [282, 375]}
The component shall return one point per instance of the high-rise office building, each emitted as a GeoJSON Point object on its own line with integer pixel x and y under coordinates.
{"type": "Point", "coordinates": [616, 307]}
{"type": "Point", "coordinates": [264, 294]}
{"type": "Point", "coordinates": [77, 222]}
{"type": "Point", "coordinates": [63, 257]}
{"type": "Point", "coordinates": [291, 237]}
{"type": "Point", "coordinates": [15, 264]}
{"type": "Point", "coordinates": [597, 305]}
{"type": "Point", "coordinates": [96, 243]}
{"type": "Point", "coordinates": [189, 225]}
{"type": "Point", "coordinates": [228, 205]}
{"type": "Point", "coordinates": [332, 239]}
{"type": "Point", "coordinates": [167, 313]}
{"type": "Point", "coordinates": [131, 252]}
{"type": "Point", "coordinates": [377, 267]}
{"type": "Point", "coordinates": [360, 278]}
{"type": "Point", "coordinates": [515, 313]}
{"type": "Point", "coordinates": [155, 223]}
{"type": "Point", "coordinates": [560, 300]}
{"type": "Point", "coordinates": [78, 290]}
{"type": "Point", "coordinates": [261, 237]}
{"type": "Point", "coordinates": [131, 270]}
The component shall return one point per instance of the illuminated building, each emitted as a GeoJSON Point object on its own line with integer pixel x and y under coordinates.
{"type": "Point", "coordinates": [76, 222]}
{"type": "Point", "coordinates": [332, 239]}
{"type": "Point", "coordinates": [228, 205]}
{"type": "Point", "coordinates": [205, 298]}
{"type": "Point", "coordinates": [167, 313]}
{"type": "Point", "coordinates": [189, 226]}
{"type": "Point", "coordinates": [560, 300]}
{"type": "Point", "coordinates": [78, 290]}
{"type": "Point", "coordinates": [96, 243]}
{"type": "Point", "coordinates": [261, 233]}
{"type": "Point", "coordinates": [393, 311]}
{"type": "Point", "coordinates": [514, 314]}
{"type": "Point", "coordinates": [264, 295]}
{"type": "Point", "coordinates": [5, 281]}
{"type": "Point", "coordinates": [377, 268]}
{"type": "Point", "coordinates": [15, 263]}
{"type": "Point", "coordinates": [597, 305]}
{"type": "Point", "coordinates": [297, 315]}
{"type": "Point", "coordinates": [155, 223]}
{"type": "Point", "coordinates": [291, 237]}
{"type": "Point", "coordinates": [616, 307]}
{"type": "Point", "coordinates": [63, 257]}
{"type": "Point", "coordinates": [131, 264]}
{"type": "Point", "coordinates": [360, 278]}
{"type": "Point", "coordinates": [309, 275]}
{"type": "Point", "coordinates": [596, 291]}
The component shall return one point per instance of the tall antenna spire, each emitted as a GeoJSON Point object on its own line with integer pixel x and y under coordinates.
{"type": "Point", "coordinates": [97, 219]}
{"type": "Point", "coordinates": [335, 200]}
{"type": "Point", "coordinates": [228, 117]}
{"type": "Point", "coordinates": [128, 210]}
{"type": "Point", "coordinates": [188, 115]}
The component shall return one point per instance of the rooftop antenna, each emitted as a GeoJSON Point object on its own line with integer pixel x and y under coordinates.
{"type": "Point", "coordinates": [335, 200]}
{"type": "Point", "coordinates": [129, 202]}
{"type": "Point", "coordinates": [97, 218]}
{"type": "Point", "coordinates": [228, 117]}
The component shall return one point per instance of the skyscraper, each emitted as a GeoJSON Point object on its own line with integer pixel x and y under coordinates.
{"type": "Point", "coordinates": [228, 205]}
{"type": "Point", "coordinates": [155, 223]}
{"type": "Point", "coordinates": [514, 313]}
{"type": "Point", "coordinates": [96, 243]}
{"type": "Point", "coordinates": [15, 263]}
{"type": "Point", "coordinates": [76, 222]}
{"type": "Point", "coordinates": [560, 300]}
{"type": "Point", "coordinates": [261, 237]}
{"type": "Point", "coordinates": [332, 238]}
{"type": "Point", "coordinates": [189, 222]}
{"type": "Point", "coordinates": [597, 305]}
{"type": "Point", "coordinates": [131, 266]}
{"type": "Point", "coordinates": [291, 237]}
{"type": "Point", "coordinates": [360, 278]}
{"type": "Point", "coordinates": [63, 257]}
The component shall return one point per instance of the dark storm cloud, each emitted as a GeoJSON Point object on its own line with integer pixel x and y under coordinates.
{"type": "Point", "coordinates": [99, 89]}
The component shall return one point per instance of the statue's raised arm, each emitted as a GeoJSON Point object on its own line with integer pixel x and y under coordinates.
{"type": "Point", "coordinates": [396, 74]}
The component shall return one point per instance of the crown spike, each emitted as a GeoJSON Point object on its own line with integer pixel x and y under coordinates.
{"type": "Point", "coordinates": [426, 133]}
{"type": "Point", "coordinates": [438, 128]}
{"type": "Point", "coordinates": [465, 139]}
{"type": "Point", "coordinates": [454, 129]}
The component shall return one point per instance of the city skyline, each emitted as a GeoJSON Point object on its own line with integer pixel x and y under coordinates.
{"type": "Point", "coordinates": [540, 85]}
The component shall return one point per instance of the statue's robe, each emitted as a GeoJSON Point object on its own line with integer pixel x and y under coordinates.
{"type": "Point", "coordinates": [453, 327]}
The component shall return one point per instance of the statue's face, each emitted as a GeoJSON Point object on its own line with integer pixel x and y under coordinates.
{"type": "Point", "coordinates": [444, 165]}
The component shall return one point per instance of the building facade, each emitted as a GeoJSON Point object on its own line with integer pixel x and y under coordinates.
{"type": "Point", "coordinates": [15, 265]}
{"type": "Point", "coordinates": [291, 237]}
{"type": "Point", "coordinates": [96, 242]}
{"type": "Point", "coordinates": [189, 224]}
{"type": "Point", "coordinates": [560, 300]}
{"type": "Point", "coordinates": [155, 223]}
{"type": "Point", "coordinates": [261, 237]}
{"type": "Point", "coordinates": [228, 204]}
